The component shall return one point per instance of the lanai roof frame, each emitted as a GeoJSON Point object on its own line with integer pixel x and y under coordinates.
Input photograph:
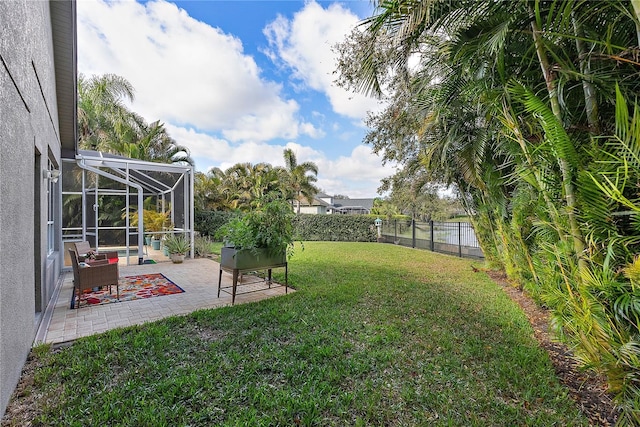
{"type": "Point", "coordinates": [139, 175]}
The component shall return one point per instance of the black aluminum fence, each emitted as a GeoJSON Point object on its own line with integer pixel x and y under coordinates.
{"type": "Point", "coordinates": [454, 238]}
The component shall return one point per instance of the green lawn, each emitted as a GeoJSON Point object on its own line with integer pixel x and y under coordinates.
{"type": "Point", "coordinates": [375, 335]}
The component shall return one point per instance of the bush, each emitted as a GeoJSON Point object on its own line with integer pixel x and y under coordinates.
{"type": "Point", "coordinates": [209, 222]}
{"type": "Point", "coordinates": [203, 246]}
{"type": "Point", "coordinates": [345, 228]}
{"type": "Point", "coordinates": [269, 227]}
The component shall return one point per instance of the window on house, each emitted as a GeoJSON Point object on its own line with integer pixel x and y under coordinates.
{"type": "Point", "coordinates": [51, 199]}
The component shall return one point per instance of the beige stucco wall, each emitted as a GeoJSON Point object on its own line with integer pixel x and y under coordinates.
{"type": "Point", "coordinates": [318, 210]}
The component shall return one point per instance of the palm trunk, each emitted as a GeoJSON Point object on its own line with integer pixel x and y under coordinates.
{"type": "Point", "coordinates": [510, 122]}
{"type": "Point", "coordinates": [565, 167]}
{"type": "Point", "coordinates": [585, 69]}
{"type": "Point", "coordinates": [636, 8]}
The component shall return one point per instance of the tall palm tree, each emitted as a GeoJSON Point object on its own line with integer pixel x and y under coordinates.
{"type": "Point", "coordinates": [300, 178]}
{"type": "Point", "coordinates": [107, 124]}
{"type": "Point", "coordinates": [155, 145]}
{"type": "Point", "coordinates": [102, 109]}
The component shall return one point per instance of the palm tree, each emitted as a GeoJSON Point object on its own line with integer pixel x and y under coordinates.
{"type": "Point", "coordinates": [300, 178]}
{"type": "Point", "coordinates": [513, 102]}
{"type": "Point", "coordinates": [155, 145]}
{"type": "Point", "coordinates": [106, 124]}
{"type": "Point", "coordinates": [102, 109]}
{"type": "Point", "coordinates": [207, 190]}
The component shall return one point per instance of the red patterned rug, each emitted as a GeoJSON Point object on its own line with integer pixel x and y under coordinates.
{"type": "Point", "coordinates": [131, 288]}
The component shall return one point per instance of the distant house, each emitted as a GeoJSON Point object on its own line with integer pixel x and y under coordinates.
{"type": "Point", "coordinates": [38, 126]}
{"type": "Point", "coordinates": [325, 204]}
{"type": "Point", "coordinates": [318, 207]}
{"type": "Point", "coordinates": [352, 206]}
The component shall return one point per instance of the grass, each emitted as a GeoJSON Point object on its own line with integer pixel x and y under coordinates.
{"type": "Point", "coordinates": [375, 335]}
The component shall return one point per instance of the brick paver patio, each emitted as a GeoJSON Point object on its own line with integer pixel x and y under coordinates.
{"type": "Point", "coordinates": [198, 278]}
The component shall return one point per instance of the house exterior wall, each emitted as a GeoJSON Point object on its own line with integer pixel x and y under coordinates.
{"type": "Point", "coordinates": [316, 210]}
{"type": "Point", "coordinates": [30, 138]}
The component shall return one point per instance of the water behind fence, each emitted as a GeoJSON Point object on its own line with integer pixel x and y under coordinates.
{"type": "Point", "coordinates": [455, 238]}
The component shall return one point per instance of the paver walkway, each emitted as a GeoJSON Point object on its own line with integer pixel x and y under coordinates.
{"type": "Point", "coordinates": [198, 278]}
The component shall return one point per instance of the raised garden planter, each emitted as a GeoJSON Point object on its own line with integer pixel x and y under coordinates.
{"type": "Point", "coordinates": [245, 259]}
{"type": "Point", "coordinates": [237, 261]}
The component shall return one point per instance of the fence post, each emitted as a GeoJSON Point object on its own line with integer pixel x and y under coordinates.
{"type": "Point", "coordinates": [395, 230]}
{"type": "Point", "coordinates": [460, 239]}
{"type": "Point", "coordinates": [433, 243]}
{"type": "Point", "coordinates": [413, 232]}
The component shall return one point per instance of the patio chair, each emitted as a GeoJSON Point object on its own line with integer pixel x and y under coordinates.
{"type": "Point", "coordinates": [97, 274]}
{"type": "Point", "coordinates": [83, 248]}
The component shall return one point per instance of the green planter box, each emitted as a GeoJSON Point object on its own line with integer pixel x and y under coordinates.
{"type": "Point", "coordinates": [243, 259]}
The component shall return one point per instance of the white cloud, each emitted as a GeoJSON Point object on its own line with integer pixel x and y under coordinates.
{"type": "Point", "coordinates": [184, 71]}
{"type": "Point", "coordinates": [305, 45]}
{"type": "Point", "coordinates": [360, 173]}
{"type": "Point", "coordinates": [213, 97]}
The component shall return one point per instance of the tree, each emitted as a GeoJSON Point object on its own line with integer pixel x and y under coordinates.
{"type": "Point", "coordinates": [102, 109]}
{"type": "Point", "coordinates": [106, 123]}
{"type": "Point", "coordinates": [513, 102]}
{"type": "Point", "coordinates": [300, 178]}
{"type": "Point", "coordinates": [384, 208]}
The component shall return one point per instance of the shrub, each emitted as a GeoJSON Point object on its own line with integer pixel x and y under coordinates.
{"type": "Point", "coordinates": [203, 246]}
{"type": "Point", "coordinates": [268, 227]}
{"type": "Point", "coordinates": [345, 228]}
{"type": "Point", "coordinates": [209, 222]}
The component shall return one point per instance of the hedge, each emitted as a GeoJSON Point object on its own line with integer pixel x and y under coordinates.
{"type": "Point", "coordinates": [346, 228]}
{"type": "Point", "coordinates": [207, 223]}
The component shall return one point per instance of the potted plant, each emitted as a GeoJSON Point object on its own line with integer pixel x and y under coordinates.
{"type": "Point", "coordinates": [258, 239]}
{"type": "Point", "coordinates": [177, 246]}
{"type": "Point", "coordinates": [154, 222]}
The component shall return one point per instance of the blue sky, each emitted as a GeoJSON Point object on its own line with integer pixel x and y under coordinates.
{"type": "Point", "coordinates": [240, 81]}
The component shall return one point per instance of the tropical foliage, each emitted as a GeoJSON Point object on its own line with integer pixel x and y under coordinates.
{"type": "Point", "coordinates": [301, 178]}
{"type": "Point", "coordinates": [244, 185]}
{"type": "Point", "coordinates": [343, 228]}
{"type": "Point", "coordinates": [267, 227]}
{"type": "Point", "coordinates": [529, 109]}
{"type": "Point", "coordinates": [105, 123]}
{"type": "Point", "coordinates": [335, 228]}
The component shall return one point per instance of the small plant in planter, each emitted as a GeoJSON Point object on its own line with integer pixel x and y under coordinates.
{"type": "Point", "coordinates": [264, 235]}
{"type": "Point", "coordinates": [177, 245]}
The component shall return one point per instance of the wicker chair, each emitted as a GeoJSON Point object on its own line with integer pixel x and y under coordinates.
{"type": "Point", "coordinates": [99, 273]}
{"type": "Point", "coordinates": [83, 248]}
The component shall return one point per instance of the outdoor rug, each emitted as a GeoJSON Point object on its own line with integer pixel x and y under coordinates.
{"type": "Point", "coordinates": [131, 288]}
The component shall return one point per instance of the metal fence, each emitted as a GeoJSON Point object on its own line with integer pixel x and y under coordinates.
{"type": "Point", "coordinates": [454, 238]}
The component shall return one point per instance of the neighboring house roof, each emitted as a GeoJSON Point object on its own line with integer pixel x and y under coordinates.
{"type": "Point", "coordinates": [320, 202]}
{"type": "Point", "coordinates": [316, 202]}
{"type": "Point", "coordinates": [353, 203]}
{"type": "Point", "coordinates": [340, 204]}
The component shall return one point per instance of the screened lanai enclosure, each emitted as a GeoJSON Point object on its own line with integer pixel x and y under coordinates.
{"type": "Point", "coordinates": [123, 204]}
